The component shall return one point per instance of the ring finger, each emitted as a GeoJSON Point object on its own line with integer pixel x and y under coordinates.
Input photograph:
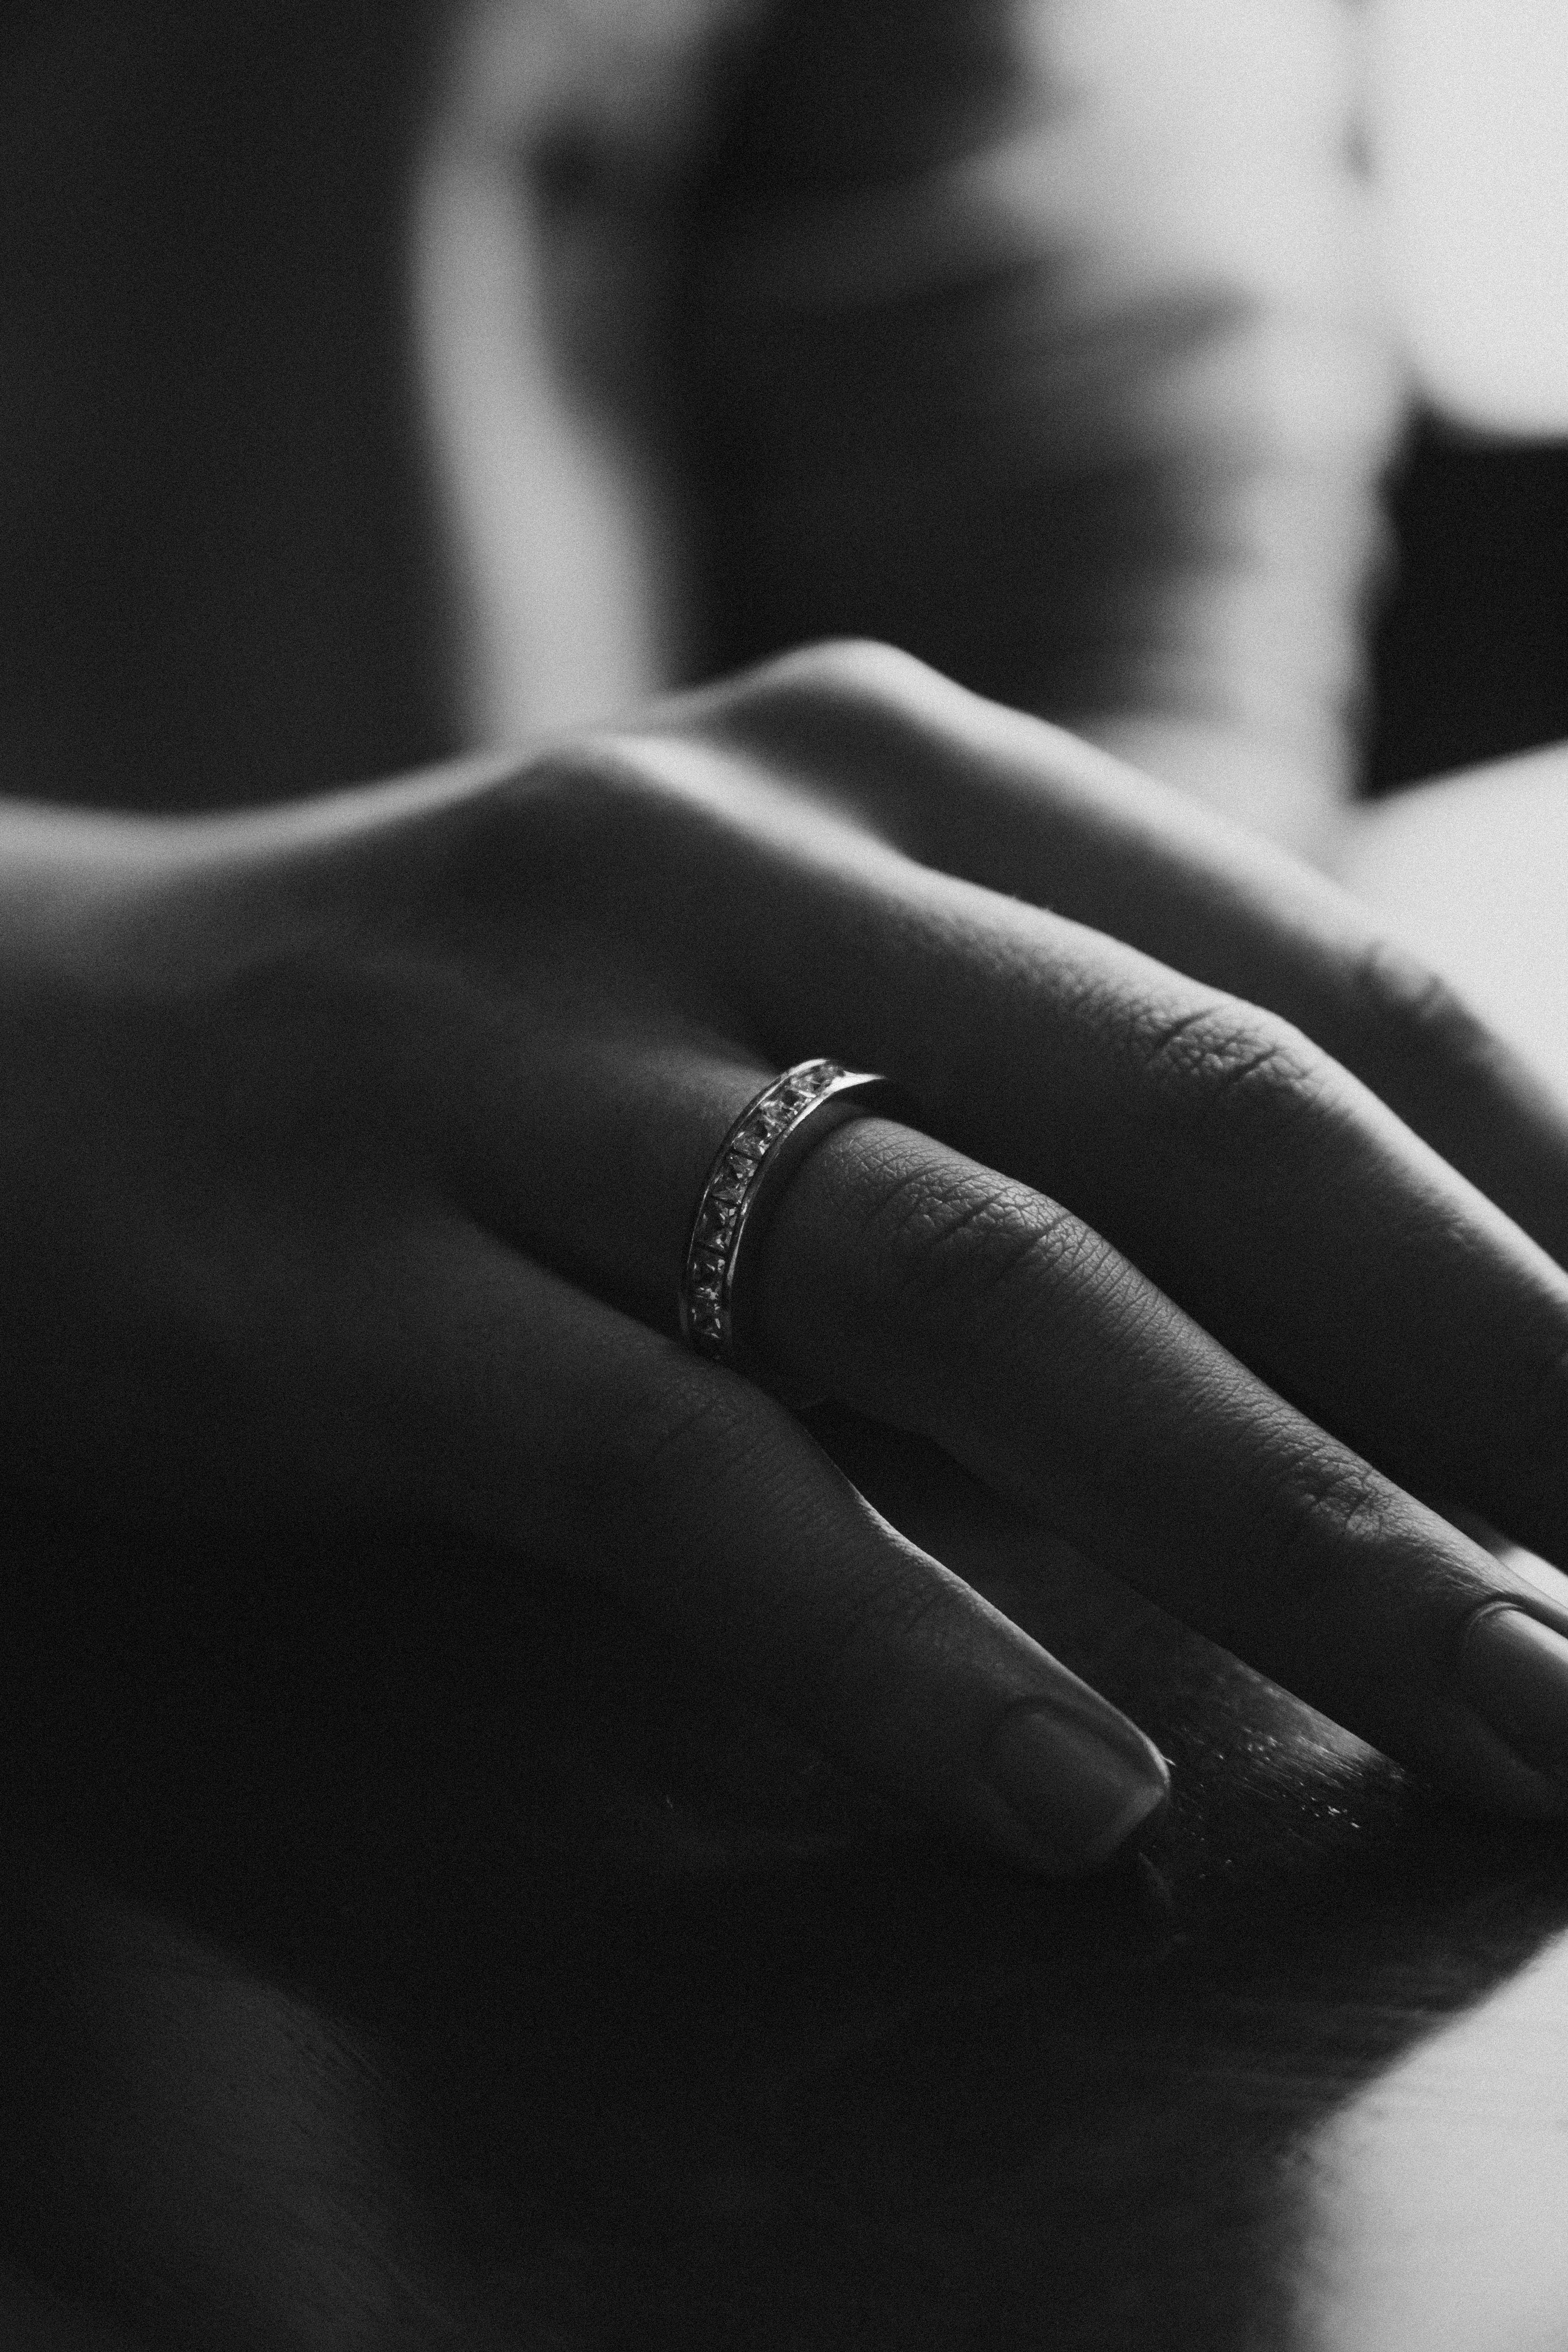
{"type": "Point", "coordinates": [925, 1289]}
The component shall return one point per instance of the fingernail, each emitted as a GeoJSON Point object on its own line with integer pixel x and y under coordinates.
{"type": "Point", "coordinates": [1078, 1794]}
{"type": "Point", "coordinates": [1514, 1671]}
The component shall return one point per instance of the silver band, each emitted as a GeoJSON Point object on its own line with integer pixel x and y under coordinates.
{"type": "Point", "coordinates": [750, 1170]}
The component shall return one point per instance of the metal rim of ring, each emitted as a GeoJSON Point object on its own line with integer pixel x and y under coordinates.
{"type": "Point", "coordinates": [752, 1167]}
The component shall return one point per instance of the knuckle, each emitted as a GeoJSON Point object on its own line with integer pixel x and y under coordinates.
{"type": "Point", "coordinates": [1315, 1519]}
{"type": "Point", "coordinates": [858, 669]}
{"type": "Point", "coordinates": [1229, 1070]}
{"type": "Point", "coordinates": [596, 826]}
{"type": "Point", "coordinates": [571, 792]}
{"type": "Point", "coordinates": [842, 678]}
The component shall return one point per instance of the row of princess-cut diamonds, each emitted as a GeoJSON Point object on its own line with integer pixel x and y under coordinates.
{"type": "Point", "coordinates": [760, 1128]}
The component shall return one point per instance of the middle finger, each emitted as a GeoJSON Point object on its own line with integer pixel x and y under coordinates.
{"type": "Point", "coordinates": [1253, 1179]}
{"type": "Point", "coordinates": [923, 1289]}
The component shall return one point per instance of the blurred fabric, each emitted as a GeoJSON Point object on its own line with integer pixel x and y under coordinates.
{"type": "Point", "coordinates": [1038, 339]}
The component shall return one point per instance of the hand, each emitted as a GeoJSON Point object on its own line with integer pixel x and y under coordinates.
{"type": "Point", "coordinates": [350, 1150]}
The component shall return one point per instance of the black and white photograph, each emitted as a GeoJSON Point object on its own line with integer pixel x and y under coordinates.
{"type": "Point", "coordinates": [784, 1176]}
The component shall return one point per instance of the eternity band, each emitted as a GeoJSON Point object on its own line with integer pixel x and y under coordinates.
{"type": "Point", "coordinates": [751, 1171]}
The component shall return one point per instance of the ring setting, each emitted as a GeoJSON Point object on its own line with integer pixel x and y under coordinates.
{"type": "Point", "coordinates": [761, 1152]}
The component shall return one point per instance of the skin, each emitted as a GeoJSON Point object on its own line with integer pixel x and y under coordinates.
{"type": "Point", "coordinates": [349, 1149]}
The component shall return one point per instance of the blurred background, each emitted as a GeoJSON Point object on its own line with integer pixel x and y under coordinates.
{"type": "Point", "coordinates": [405, 1896]}
{"type": "Point", "coordinates": [229, 574]}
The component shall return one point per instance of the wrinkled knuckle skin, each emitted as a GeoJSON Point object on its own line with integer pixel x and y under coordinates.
{"type": "Point", "coordinates": [1226, 1074]}
{"type": "Point", "coordinates": [1314, 1522]}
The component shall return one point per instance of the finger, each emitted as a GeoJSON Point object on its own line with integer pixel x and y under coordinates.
{"type": "Point", "coordinates": [926, 1290]}
{"type": "Point", "coordinates": [1007, 801]}
{"type": "Point", "coordinates": [557, 1424]}
{"type": "Point", "coordinates": [1257, 1182]}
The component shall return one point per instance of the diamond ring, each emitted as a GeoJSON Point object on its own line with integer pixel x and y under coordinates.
{"type": "Point", "coordinates": [750, 1170]}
